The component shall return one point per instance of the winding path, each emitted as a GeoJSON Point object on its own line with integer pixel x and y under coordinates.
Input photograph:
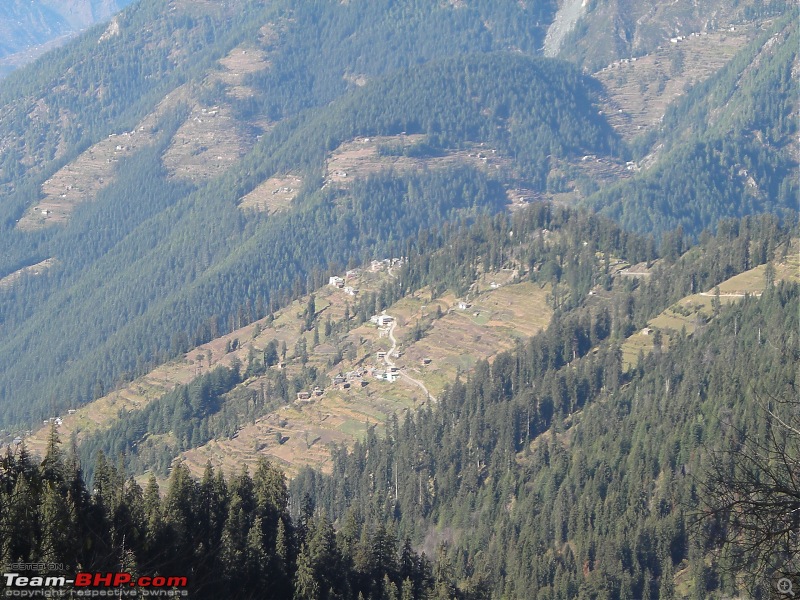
{"type": "Point", "coordinates": [389, 362]}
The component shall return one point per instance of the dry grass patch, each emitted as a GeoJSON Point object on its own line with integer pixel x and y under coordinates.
{"type": "Point", "coordinates": [696, 310]}
{"type": "Point", "coordinates": [36, 269]}
{"type": "Point", "coordinates": [104, 412]}
{"type": "Point", "coordinates": [206, 144]}
{"type": "Point", "coordinates": [491, 324]}
{"type": "Point", "coordinates": [274, 195]}
{"type": "Point", "coordinates": [240, 62]}
{"type": "Point", "coordinates": [363, 156]}
{"type": "Point", "coordinates": [639, 90]}
{"type": "Point", "coordinates": [299, 435]}
{"type": "Point", "coordinates": [81, 180]}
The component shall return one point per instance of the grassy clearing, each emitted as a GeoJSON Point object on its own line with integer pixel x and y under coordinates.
{"type": "Point", "coordinates": [274, 195]}
{"type": "Point", "coordinates": [696, 310]}
{"type": "Point", "coordinates": [36, 269]}
{"type": "Point", "coordinates": [209, 142]}
{"type": "Point", "coordinates": [491, 324]}
{"type": "Point", "coordinates": [364, 156]}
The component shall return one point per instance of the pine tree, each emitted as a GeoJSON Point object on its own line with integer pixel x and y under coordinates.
{"type": "Point", "coordinates": [306, 586]}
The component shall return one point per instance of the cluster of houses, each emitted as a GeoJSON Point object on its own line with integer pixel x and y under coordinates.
{"type": "Point", "coordinates": [356, 378]}
{"type": "Point", "coordinates": [339, 282]}
{"type": "Point", "coordinates": [390, 374]}
{"type": "Point", "coordinates": [306, 396]}
{"type": "Point", "coordinates": [380, 265]}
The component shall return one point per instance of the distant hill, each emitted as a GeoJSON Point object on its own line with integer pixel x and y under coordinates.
{"type": "Point", "coordinates": [161, 179]}
{"type": "Point", "coordinates": [29, 28]}
{"type": "Point", "coordinates": [730, 137]}
{"type": "Point", "coordinates": [178, 189]}
{"type": "Point", "coordinates": [597, 33]}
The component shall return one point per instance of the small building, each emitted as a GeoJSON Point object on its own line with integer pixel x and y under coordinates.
{"type": "Point", "coordinates": [318, 391]}
{"type": "Point", "coordinates": [71, 411]}
{"type": "Point", "coordinates": [381, 355]}
{"type": "Point", "coordinates": [303, 395]}
{"type": "Point", "coordinates": [383, 320]}
{"type": "Point", "coordinates": [339, 380]}
{"type": "Point", "coordinates": [336, 282]}
{"type": "Point", "coordinates": [646, 331]}
{"type": "Point", "coordinates": [350, 291]}
{"type": "Point", "coordinates": [426, 361]}
{"type": "Point", "coordinates": [463, 305]}
{"type": "Point", "coordinates": [391, 377]}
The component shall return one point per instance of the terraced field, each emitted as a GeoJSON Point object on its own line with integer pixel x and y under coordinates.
{"type": "Point", "coordinates": [696, 310]}
{"type": "Point", "coordinates": [640, 89]}
{"type": "Point", "coordinates": [301, 433]}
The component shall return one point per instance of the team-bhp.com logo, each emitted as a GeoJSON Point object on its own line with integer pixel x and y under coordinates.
{"type": "Point", "coordinates": [93, 584]}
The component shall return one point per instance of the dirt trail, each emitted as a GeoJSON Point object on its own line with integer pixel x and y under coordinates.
{"type": "Point", "coordinates": [390, 363]}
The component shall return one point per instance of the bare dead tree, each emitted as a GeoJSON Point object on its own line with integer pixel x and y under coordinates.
{"type": "Point", "coordinates": [750, 494]}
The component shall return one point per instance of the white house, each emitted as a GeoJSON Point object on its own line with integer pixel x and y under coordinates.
{"type": "Point", "coordinates": [381, 320]}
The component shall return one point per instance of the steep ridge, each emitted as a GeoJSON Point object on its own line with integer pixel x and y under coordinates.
{"type": "Point", "coordinates": [28, 29]}
{"type": "Point", "coordinates": [168, 268]}
{"type": "Point", "coordinates": [726, 149]}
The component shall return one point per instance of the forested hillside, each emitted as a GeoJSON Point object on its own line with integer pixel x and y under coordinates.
{"type": "Point", "coordinates": [27, 29]}
{"type": "Point", "coordinates": [514, 330]}
{"type": "Point", "coordinates": [551, 469]}
{"type": "Point", "coordinates": [729, 146]}
{"type": "Point", "coordinates": [126, 243]}
{"type": "Point", "coordinates": [154, 288]}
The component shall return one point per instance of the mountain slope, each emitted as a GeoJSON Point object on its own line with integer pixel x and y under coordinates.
{"type": "Point", "coordinates": [29, 28]}
{"type": "Point", "coordinates": [549, 472]}
{"type": "Point", "coordinates": [101, 137]}
{"type": "Point", "coordinates": [727, 148]}
{"type": "Point", "coordinates": [149, 285]}
{"type": "Point", "coordinates": [608, 30]}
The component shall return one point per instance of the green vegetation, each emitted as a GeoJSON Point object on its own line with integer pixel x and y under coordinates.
{"type": "Point", "coordinates": [216, 534]}
{"type": "Point", "coordinates": [727, 146]}
{"type": "Point", "coordinates": [151, 288]}
{"type": "Point", "coordinates": [551, 470]}
{"type": "Point", "coordinates": [573, 464]}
